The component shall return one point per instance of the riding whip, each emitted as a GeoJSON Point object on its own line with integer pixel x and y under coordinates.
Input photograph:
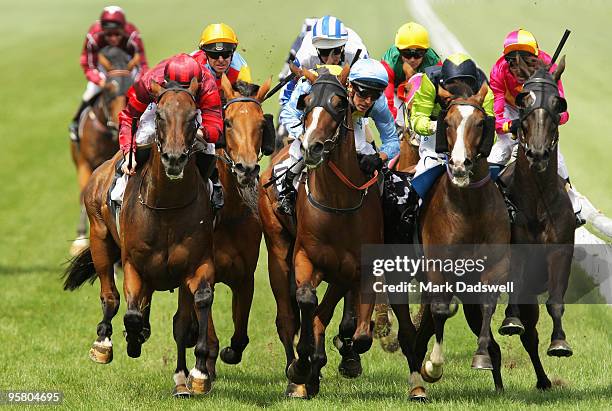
{"type": "Point", "coordinates": [278, 177]}
{"type": "Point", "coordinates": [356, 57]}
{"type": "Point", "coordinates": [560, 46]}
{"type": "Point", "coordinates": [280, 85]}
{"type": "Point", "coordinates": [134, 128]}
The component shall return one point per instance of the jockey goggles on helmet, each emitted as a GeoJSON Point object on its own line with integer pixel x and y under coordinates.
{"type": "Point", "coordinates": [413, 53]}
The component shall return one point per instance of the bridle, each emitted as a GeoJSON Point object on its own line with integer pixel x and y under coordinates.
{"type": "Point", "coordinates": [189, 151]}
{"type": "Point", "coordinates": [122, 73]}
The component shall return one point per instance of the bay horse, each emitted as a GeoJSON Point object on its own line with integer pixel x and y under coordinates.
{"type": "Point", "coordinates": [165, 241]}
{"type": "Point", "coordinates": [237, 232]}
{"type": "Point", "coordinates": [463, 207]}
{"type": "Point", "coordinates": [98, 126]}
{"type": "Point", "coordinates": [544, 217]}
{"type": "Point", "coordinates": [334, 217]}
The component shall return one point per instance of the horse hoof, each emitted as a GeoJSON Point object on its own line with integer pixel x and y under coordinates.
{"type": "Point", "coordinates": [481, 362]}
{"type": "Point", "coordinates": [296, 375]}
{"type": "Point", "coordinates": [101, 353]}
{"type": "Point", "coordinates": [544, 385]}
{"type": "Point", "coordinates": [181, 391]}
{"type": "Point", "coordinates": [79, 245]}
{"type": "Point", "coordinates": [296, 391]}
{"type": "Point", "coordinates": [230, 356]}
{"type": "Point", "coordinates": [511, 326]}
{"type": "Point", "coordinates": [146, 333]}
{"type": "Point", "coordinates": [559, 348]}
{"type": "Point", "coordinates": [133, 333]}
{"type": "Point", "coordinates": [418, 394]}
{"type": "Point", "coordinates": [362, 343]}
{"type": "Point", "coordinates": [199, 383]}
{"type": "Point", "coordinates": [390, 343]}
{"type": "Point", "coordinates": [427, 375]}
{"type": "Point", "coordinates": [312, 390]}
{"type": "Point", "coordinates": [350, 367]}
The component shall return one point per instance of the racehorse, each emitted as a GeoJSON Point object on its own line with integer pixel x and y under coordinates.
{"type": "Point", "coordinates": [463, 207]}
{"type": "Point", "coordinates": [544, 216]}
{"type": "Point", "coordinates": [334, 217]}
{"type": "Point", "coordinates": [98, 129]}
{"type": "Point", "coordinates": [237, 233]}
{"type": "Point", "coordinates": [165, 241]}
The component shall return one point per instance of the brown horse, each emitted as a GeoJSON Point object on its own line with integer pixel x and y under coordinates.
{"type": "Point", "coordinates": [237, 234]}
{"type": "Point", "coordinates": [463, 207]}
{"type": "Point", "coordinates": [98, 129]}
{"type": "Point", "coordinates": [544, 216]}
{"type": "Point", "coordinates": [165, 241]}
{"type": "Point", "coordinates": [334, 218]}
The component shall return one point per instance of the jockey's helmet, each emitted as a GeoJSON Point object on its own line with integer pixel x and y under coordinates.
{"type": "Point", "coordinates": [182, 68]}
{"type": "Point", "coordinates": [459, 66]}
{"type": "Point", "coordinates": [328, 33]}
{"type": "Point", "coordinates": [218, 37]}
{"type": "Point", "coordinates": [521, 40]}
{"type": "Point", "coordinates": [369, 73]}
{"type": "Point", "coordinates": [412, 36]}
{"type": "Point", "coordinates": [112, 17]}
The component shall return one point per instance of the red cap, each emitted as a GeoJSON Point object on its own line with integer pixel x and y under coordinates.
{"type": "Point", "coordinates": [182, 68]}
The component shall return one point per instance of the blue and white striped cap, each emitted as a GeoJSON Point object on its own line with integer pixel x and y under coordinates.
{"type": "Point", "coordinates": [328, 33]}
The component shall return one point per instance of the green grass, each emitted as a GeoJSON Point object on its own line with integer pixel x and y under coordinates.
{"type": "Point", "coordinates": [45, 333]}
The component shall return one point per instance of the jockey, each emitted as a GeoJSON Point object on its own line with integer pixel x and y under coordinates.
{"type": "Point", "coordinates": [412, 47]}
{"type": "Point", "coordinates": [330, 42]}
{"type": "Point", "coordinates": [367, 81]}
{"type": "Point", "coordinates": [179, 69]}
{"type": "Point", "coordinates": [506, 83]}
{"type": "Point", "coordinates": [111, 30]}
{"type": "Point", "coordinates": [217, 52]}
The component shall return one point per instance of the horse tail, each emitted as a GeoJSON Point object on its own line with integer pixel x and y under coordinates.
{"type": "Point", "coordinates": [80, 269]}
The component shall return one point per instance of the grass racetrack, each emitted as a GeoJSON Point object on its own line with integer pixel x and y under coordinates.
{"type": "Point", "coordinates": [45, 333]}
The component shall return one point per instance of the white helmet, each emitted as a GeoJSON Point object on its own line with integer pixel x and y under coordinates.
{"type": "Point", "coordinates": [328, 33]}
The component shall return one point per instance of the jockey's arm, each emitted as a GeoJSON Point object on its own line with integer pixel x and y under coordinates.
{"type": "Point", "coordinates": [136, 105]}
{"type": "Point", "coordinates": [89, 60]}
{"type": "Point", "coordinates": [290, 117]}
{"type": "Point", "coordinates": [139, 46]}
{"type": "Point", "coordinates": [209, 103]}
{"type": "Point", "coordinates": [422, 107]}
{"type": "Point", "coordinates": [386, 128]}
{"type": "Point", "coordinates": [488, 102]}
{"type": "Point", "coordinates": [390, 89]}
{"type": "Point", "coordinates": [498, 88]}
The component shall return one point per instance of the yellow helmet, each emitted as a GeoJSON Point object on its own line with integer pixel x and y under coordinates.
{"type": "Point", "coordinates": [217, 37]}
{"type": "Point", "coordinates": [412, 36]}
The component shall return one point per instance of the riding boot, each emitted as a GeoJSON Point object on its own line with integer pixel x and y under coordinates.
{"type": "Point", "coordinates": [73, 128]}
{"type": "Point", "coordinates": [287, 195]}
{"type": "Point", "coordinates": [509, 205]}
{"type": "Point", "coordinates": [207, 165]}
{"type": "Point", "coordinates": [576, 205]}
{"type": "Point", "coordinates": [409, 215]}
{"type": "Point", "coordinates": [217, 193]}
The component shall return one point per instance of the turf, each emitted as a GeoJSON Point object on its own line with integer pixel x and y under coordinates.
{"type": "Point", "coordinates": [45, 333]}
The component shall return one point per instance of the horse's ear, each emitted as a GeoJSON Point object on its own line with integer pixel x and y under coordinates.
{"type": "Point", "coordinates": [482, 93]}
{"type": "Point", "coordinates": [105, 62]}
{"type": "Point", "coordinates": [193, 86]}
{"type": "Point", "coordinates": [560, 69]}
{"type": "Point", "coordinates": [226, 87]}
{"type": "Point", "coordinates": [263, 90]}
{"type": "Point", "coordinates": [344, 74]}
{"type": "Point", "coordinates": [295, 70]}
{"type": "Point", "coordinates": [408, 70]}
{"type": "Point", "coordinates": [135, 61]}
{"type": "Point", "coordinates": [523, 67]}
{"type": "Point", "coordinates": [310, 76]}
{"type": "Point", "coordinates": [156, 88]}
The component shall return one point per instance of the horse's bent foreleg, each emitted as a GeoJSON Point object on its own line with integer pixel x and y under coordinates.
{"type": "Point", "coordinates": [242, 298]}
{"type": "Point", "coordinates": [138, 297]}
{"type": "Point", "coordinates": [362, 339]}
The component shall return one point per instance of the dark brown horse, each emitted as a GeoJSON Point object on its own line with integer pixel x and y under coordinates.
{"type": "Point", "coordinates": [98, 126]}
{"type": "Point", "coordinates": [165, 241]}
{"type": "Point", "coordinates": [544, 217]}
{"type": "Point", "coordinates": [463, 207]}
{"type": "Point", "coordinates": [334, 218]}
{"type": "Point", "coordinates": [237, 234]}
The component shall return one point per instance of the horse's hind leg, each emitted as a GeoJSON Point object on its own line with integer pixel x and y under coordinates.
{"type": "Point", "coordinates": [559, 267]}
{"type": "Point", "coordinates": [84, 173]}
{"type": "Point", "coordinates": [473, 315]}
{"type": "Point", "coordinates": [529, 316]}
{"type": "Point", "coordinates": [242, 298]}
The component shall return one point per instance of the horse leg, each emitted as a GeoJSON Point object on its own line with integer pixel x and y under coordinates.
{"type": "Point", "coordinates": [104, 253]}
{"type": "Point", "coordinates": [529, 315]}
{"type": "Point", "coordinates": [213, 352]}
{"type": "Point", "coordinates": [84, 173]}
{"type": "Point", "coordinates": [440, 313]}
{"type": "Point", "coordinates": [137, 297]}
{"type": "Point", "coordinates": [362, 339]}
{"type": "Point", "coordinates": [182, 329]}
{"type": "Point", "coordinates": [406, 336]}
{"type": "Point", "coordinates": [473, 315]}
{"type": "Point", "coordinates": [482, 359]}
{"type": "Point", "coordinates": [242, 298]}
{"type": "Point", "coordinates": [382, 322]}
{"type": "Point", "coordinates": [350, 365]}
{"type": "Point", "coordinates": [299, 372]}
{"type": "Point", "coordinates": [201, 286]}
{"type": "Point", "coordinates": [512, 325]}
{"type": "Point", "coordinates": [559, 267]}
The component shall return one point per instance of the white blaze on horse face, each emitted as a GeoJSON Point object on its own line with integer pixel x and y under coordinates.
{"type": "Point", "coordinates": [316, 112]}
{"type": "Point", "coordinates": [458, 155]}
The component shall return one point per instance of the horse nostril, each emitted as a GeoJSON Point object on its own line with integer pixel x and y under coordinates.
{"type": "Point", "coordinates": [467, 162]}
{"type": "Point", "coordinates": [182, 158]}
{"type": "Point", "coordinates": [240, 167]}
{"type": "Point", "coordinates": [546, 154]}
{"type": "Point", "coordinates": [317, 149]}
{"type": "Point", "coordinates": [165, 157]}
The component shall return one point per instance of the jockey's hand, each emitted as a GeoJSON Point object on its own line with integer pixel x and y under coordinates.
{"type": "Point", "coordinates": [124, 166]}
{"type": "Point", "coordinates": [433, 126]}
{"type": "Point", "coordinates": [370, 162]}
{"type": "Point", "coordinates": [513, 126]}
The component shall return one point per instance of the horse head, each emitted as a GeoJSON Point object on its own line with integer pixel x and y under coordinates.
{"type": "Point", "coordinates": [465, 131]}
{"type": "Point", "coordinates": [118, 66]}
{"type": "Point", "coordinates": [246, 131]}
{"type": "Point", "coordinates": [325, 109]}
{"type": "Point", "coordinates": [176, 125]}
{"type": "Point", "coordinates": [540, 107]}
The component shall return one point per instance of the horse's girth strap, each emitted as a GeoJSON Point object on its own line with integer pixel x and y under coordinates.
{"type": "Point", "coordinates": [348, 182]}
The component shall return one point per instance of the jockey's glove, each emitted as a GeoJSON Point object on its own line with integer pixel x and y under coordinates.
{"type": "Point", "coordinates": [370, 162]}
{"type": "Point", "coordinates": [511, 126]}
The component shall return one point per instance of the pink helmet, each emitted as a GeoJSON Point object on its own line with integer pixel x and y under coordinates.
{"type": "Point", "coordinates": [112, 17]}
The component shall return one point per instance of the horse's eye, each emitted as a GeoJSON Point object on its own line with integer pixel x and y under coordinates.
{"type": "Point", "coordinates": [228, 123]}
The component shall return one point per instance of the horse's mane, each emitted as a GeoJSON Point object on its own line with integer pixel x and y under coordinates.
{"type": "Point", "coordinates": [117, 56]}
{"type": "Point", "coordinates": [245, 89]}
